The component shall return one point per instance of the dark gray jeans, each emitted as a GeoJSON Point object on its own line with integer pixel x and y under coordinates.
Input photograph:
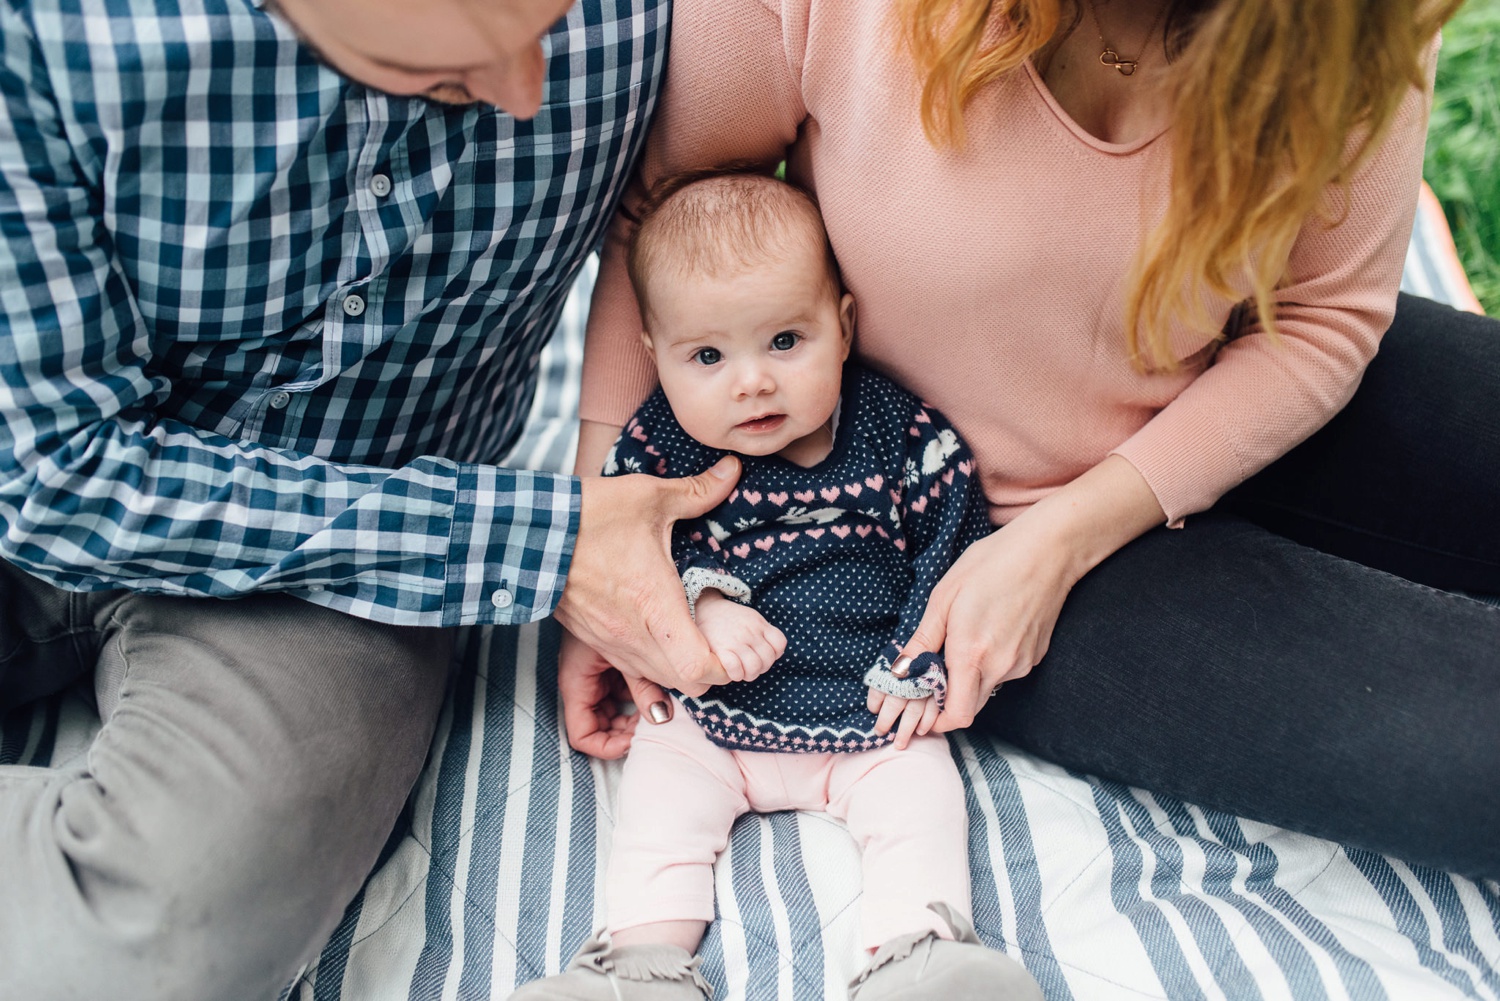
{"type": "Point", "coordinates": [254, 757]}
{"type": "Point", "coordinates": [1289, 656]}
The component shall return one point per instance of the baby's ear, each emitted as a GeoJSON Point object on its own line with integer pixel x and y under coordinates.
{"type": "Point", "coordinates": [646, 340]}
{"type": "Point", "coordinates": [846, 320]}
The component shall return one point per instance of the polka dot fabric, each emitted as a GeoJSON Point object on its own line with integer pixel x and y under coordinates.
{"type": "Point", "coordinates": [840, 556]}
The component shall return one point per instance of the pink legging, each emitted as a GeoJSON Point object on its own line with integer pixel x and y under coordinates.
{"type": "Point", "coordinates": [680, 794]}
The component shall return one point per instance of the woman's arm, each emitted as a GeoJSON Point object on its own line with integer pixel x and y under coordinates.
{"type": "Point", "coordinates": [994, 611]}
{"type": "Point", "coordinates": [732, 94]}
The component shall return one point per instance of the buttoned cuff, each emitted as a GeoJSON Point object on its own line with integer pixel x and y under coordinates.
{"type": "Point", "coordinates": [511, 544]}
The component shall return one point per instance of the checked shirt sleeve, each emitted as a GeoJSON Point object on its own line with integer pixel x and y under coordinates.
{"type": "Point", "coordinates": [942, 512]}
{"type": "Point", "coordinates": [98, 490]}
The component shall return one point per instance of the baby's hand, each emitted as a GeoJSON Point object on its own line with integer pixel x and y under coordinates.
{"type": "Point", "coordinates": [916, 716]}
{"type": "Point", "coordinates": [745, 643]}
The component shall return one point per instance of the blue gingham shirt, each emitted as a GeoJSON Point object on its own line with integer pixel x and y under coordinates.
{"type": "Point", "coordinates": [267, 329]}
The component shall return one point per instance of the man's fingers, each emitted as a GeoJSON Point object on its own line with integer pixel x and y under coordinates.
{"type": "Point", "coordinates": [694, 496]}
{"type": "Point", "coordinates": [650, 701]}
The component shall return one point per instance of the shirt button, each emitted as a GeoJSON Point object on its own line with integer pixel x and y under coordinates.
{"type": "Point", "coordinates": [502, 598]}
{"type": "Point", "coordinates": [280, 400]}
{"type": "Point", "coordinates": [380, 185]}
{"type": "Point", "coordinates": [354, 304]}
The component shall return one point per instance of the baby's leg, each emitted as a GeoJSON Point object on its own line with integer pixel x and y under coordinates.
{"type": "Point", "coordinates": [679, 795]}
{"type": "Point", "coordinates": [906, 811]}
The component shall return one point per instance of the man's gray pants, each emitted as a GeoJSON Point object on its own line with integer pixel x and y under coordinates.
{"type": "Point", "coordinates": [253, 758]}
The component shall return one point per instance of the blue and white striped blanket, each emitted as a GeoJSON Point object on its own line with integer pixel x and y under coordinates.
{"type": "Point", "coordinates": [1103, 891]}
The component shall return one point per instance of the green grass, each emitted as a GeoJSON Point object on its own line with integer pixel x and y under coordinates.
{"type": "Point", "coordinates": [1463, 144]}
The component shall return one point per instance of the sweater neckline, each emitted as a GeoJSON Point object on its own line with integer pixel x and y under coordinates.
{"type": "Point", "coordinates": [1039, 86]}
{"type": "Point", "coordinates": [841, 435]}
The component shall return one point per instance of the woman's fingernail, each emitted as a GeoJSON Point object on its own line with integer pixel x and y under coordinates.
{"type": "Point", "coordinates": [659, 712]}
{"type": "Point", "coordinates": [722, 468]}
{"type": "Point", "coordinates": [902, 667]}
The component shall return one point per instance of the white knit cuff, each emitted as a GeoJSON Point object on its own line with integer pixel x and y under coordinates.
{"type": "Point", "coordinates": [696, 580]}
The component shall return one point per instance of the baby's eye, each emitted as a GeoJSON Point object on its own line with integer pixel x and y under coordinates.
{"type": "Point", "coordinates": [786, 340]}
{"type": "Point", "coordinates": [708, 356]}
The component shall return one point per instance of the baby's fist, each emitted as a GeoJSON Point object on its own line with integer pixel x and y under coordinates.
{"type": "Point", "coordinates": [745, 643]}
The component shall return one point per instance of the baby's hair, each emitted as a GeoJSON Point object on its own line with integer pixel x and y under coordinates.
{"type": "Point", "coordinates": [720, 220]}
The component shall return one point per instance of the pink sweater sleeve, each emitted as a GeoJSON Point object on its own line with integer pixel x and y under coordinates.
{"type": "Point", "coordinates": [1260, 398]}
{"type": "Point", "coordinates": [732, 92]}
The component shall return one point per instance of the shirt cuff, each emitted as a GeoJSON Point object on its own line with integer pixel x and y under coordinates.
{"type": "Point", "coordinates": [511, 545]}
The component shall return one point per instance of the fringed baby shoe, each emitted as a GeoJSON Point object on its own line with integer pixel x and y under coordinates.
{"type": "Point", "coordinates": [921, 966]}
{"type": "Point", "coordinates": [601, 972]}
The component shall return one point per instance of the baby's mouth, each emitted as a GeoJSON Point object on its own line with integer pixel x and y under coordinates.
{"type": "Point", "coordinates": [760, 425]}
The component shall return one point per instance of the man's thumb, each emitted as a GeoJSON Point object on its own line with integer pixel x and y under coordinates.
{"type": "Point", "coordinates": [650, 701]}
{"type": "Point", "coordinates": [694, 496]}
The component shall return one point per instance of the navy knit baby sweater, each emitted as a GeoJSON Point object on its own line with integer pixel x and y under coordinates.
{"type": "Point", "coordinates": [841, 557]}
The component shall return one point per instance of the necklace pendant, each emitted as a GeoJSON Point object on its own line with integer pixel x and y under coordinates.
{"type": "Point", "coordinates": [1125, 66]}
{"type": "Point", "coordinates": [1109, 57]}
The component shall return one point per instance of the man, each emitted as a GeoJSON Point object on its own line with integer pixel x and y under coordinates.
{"type": "Point", "coordinates": [273, 283]}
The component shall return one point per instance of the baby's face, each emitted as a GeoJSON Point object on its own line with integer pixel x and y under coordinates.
{"type": "Point", "coordinates": [751, 362]}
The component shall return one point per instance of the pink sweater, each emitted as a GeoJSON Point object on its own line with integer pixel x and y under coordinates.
{"type": "Point", "coordinates": [990, 280]}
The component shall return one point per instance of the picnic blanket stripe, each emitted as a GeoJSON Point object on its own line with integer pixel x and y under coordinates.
{"type": "Point", "coordinates": [1000, 831]}
{"type": "Point", "coordinates": [1456, 936]}
{"type": "Point", "coordinates": [804, 924]}
{"type": "Point", "coordinates": [1283, 924]}
{"type": "Point", "coordinates": [1163, 947]}
{"type": "Point", "coordinates": [452, 812]}
{"type": "Point", "coordinates": [503, 839]}
{"type": "Point", "coordinates": [1408, 917]}
{"type": "Point", "coordinates": [1176, 863]}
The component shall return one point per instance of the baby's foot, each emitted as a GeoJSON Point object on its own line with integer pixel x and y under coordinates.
{"type": "Point", "coordinates": [921, 966]}
{"type": "Point", "coordinates": [602, 972]}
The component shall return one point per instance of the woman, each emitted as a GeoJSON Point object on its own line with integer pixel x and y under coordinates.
{"type": "Point", "coordinates": [1140, 252]}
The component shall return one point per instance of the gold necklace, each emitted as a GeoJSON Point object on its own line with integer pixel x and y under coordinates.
{"type": "Point", "coordinates": [1109, 57]}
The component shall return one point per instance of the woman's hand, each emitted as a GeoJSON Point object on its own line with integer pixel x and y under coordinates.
{"type": "Point", "coordinates": [993, 613]}
{"type": "Point", "coordinates": [594, 696]}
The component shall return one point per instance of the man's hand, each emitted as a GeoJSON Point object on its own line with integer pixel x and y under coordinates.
{"type": "Point", "coordinates": [623, 597]}
{"type": "Point", "coordinates": [911, 717]}
{"type": "Point", "coordinates": [745, 643]}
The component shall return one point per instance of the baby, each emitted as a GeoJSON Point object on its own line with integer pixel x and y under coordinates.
{"type": "Point", "coordinates": [855, 498]}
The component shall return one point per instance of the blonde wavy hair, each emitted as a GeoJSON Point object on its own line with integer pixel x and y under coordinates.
{"type": "Point", "coordinates": [1288, 97]}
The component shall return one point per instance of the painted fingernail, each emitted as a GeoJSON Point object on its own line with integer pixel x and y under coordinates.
{"type": "Point", "coordinates": [659, 713]}
{"type": "Point", "coordinates": [902, 667]}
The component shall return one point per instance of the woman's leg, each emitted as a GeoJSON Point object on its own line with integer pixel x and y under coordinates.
{"type": "Point", "coordinates": [1227, 664]}
{"type": "Point", "coordinates": [1407, 477]}
{"type": "Point", "coordinates": [1232, 667]}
